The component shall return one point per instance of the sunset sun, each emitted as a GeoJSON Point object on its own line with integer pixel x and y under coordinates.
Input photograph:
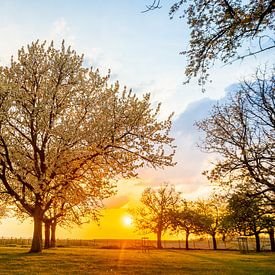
{"type": "Point", "coordinates": [127, 220]}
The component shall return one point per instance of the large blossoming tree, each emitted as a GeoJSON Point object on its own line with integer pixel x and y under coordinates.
{"type": "Point", "coordinates": [64, 132]}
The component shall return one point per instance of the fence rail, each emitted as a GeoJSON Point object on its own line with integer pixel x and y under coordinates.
{"type": "Point", "coordinates": [137, 243]}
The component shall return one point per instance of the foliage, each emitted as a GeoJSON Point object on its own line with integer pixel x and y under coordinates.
{"type": "Point", "coordinates": [210, 215]}
{"type": "Point", "coordinates": [65, 132]}
{"type": "Point", "coordinates": [3, 210]}
{"type": "Point", "coordinates": [154, 215]}
{"type": "Point", "coordinates": [220, 28]}
{"type": "Point", "coordinates": [247, 215]}
{"type": "Point", "coordinates": [186, 219]}
{"type": "Point", "coordinates": [241, 131]}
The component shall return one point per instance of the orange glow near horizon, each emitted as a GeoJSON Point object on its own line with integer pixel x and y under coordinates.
{"type": "Point", "coordinates": [115, 222]}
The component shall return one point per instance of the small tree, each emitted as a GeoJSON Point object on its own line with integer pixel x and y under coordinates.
{"type": "Point", "coordinates": [75, 207]}
{"type": "Point", "coordinates": [186, 219]}
{"type": "Point", "coordinates": [63, 126]}
{"type": "Point", "coordinates": [248, 217]}
{"type": "Point", "coordinates": [154, 215]}
{"type": "Point", "coordinates": [210, 215]}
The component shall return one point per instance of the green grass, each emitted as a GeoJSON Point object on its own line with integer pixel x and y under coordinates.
{"type": "Point", "coordinates": [113, 261]}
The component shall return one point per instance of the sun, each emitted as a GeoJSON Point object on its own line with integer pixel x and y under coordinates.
{"type": "Point", "coordinates": [127, 220]}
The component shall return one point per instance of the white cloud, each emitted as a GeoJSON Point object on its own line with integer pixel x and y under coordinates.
{"type": "Point", "coordinates": [17, 35]}
{"type": "Point", "coordinates": [61, 30]}
{"type": "Point", "coordinates": [191, 162]}
{"type": "Point", "coordinates": [13, 35]}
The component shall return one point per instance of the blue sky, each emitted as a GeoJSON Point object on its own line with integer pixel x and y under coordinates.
{"type": "Point", "coordinates": [142, 51]}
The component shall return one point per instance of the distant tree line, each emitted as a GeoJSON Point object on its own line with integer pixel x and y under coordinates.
{"type": "Point", "coordinates": [163, 210]}
{"type": "Point", "coordinates": [240, 132]}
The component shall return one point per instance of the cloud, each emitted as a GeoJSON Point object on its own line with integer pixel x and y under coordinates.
{"type": "Point", "coordinates": [60, 26]}
{"type": "Point", "coordinates": [116, 202]}
{"type": "Point", "coordinates": [17, 35]}
{"type": "Point", "coordinates": [195, 111]}
{"type": "Point", "coordinates": [14, 35]}
{"type": "Point", "coordinates": [191, 162]}
{"type": "Point", "coordinates": [61, 31]}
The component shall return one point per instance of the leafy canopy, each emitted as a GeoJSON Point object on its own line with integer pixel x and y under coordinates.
{"type": "Point", "coordinates": [220, 28]}
{"type": "Point", "coordinates": [157, 206]}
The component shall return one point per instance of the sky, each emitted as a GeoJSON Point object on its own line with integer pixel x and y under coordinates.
{"type": "Point", "coordinates": [142, 51]}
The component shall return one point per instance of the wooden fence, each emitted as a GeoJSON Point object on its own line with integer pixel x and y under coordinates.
{"type": "Point", "coordinates": [136, 244]}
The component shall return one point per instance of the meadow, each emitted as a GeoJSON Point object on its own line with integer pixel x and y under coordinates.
{"type": "Point", "coordinates": [80, 260]}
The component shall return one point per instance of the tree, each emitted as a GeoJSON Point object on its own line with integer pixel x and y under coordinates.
{"type": "Point", "coordinates": [62, 126]}
{"type": "Point", "coordinates": [269, 223]}
{"type": "Point", "coordinates": [210, 217]}
{"type": "Point", "coordinates": [248, 217]}
{"type": "Point", "coordinates": [220, 28]}
{"type": "Point", "coordinates": [154, 215]}
{"type": "Point", "coordinates": [186, 219]}
{"type": "Point", "coordinates": [75, 207]}
{"type": "Point", "coordinates": [241, 132]}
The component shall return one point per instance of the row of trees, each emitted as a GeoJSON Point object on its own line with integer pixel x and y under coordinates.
{"type": "Point", "coordinates": [240, 131]}
{"type": "Point", "coordinates": [66, 134]}
{"type": "Point", "coordinates": [164, 210]}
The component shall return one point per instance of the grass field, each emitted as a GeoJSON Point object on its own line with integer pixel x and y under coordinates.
{"type": "Point", "coordinates": [114, 261]}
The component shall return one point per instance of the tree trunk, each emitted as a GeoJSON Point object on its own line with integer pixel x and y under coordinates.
{"type": "Point", "coordinates": [47, 234]}
{"type": "Point", "coordinates": [271, 238]}
{"type": "Point", "coordinates": [37, 232]}
{"type": "Point", "coordinates": [258, 245]}
{"type": "Point", "coordinates": [159, 246]}
{"type": "Point", "coordinates": [214, 241]}
{"type": "Point", "coordinates": [186, 240]}
{"type": "Point", "coordinates": [53, 237]}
